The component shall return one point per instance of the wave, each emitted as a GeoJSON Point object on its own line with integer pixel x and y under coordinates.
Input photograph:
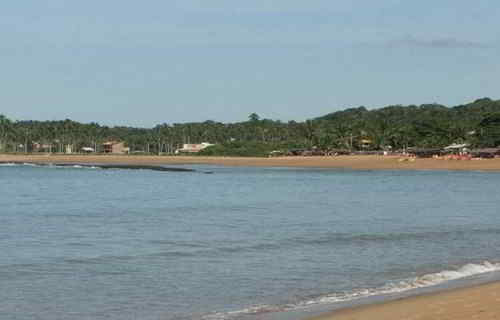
{"type": "Point", "coordinates": [427, 280]}
{"type": "Point", "coordinates": [339, 237]}
{"type": "Point", "coordinates": [105, 166]}
{"type": "Point", "coordinates": [8, 164]}
{"type": "Point", "coordinates": [72, 166]}
{"type": "Point", "coordinates": [76, 166]}
{"type": "Point", "coordinates": [19, 164]}
{"type": "Point", "coordinates": [47, 165]}
{"type": "Point", "coordinates": [335, 239]}
{"type": "Point", "coordinates": [325, 239]}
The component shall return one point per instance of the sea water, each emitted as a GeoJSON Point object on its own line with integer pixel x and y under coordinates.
{"type": "Point", "coordinates": [87, 243]}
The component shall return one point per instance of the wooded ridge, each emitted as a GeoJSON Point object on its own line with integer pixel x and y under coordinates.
{"type": "Point", "coordinates": [395, 127]}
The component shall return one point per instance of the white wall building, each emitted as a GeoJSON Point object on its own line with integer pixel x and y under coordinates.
{"type": "Point", "coordinates": [193, 148]}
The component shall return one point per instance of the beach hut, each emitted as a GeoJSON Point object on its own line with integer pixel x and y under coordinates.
{"type": "Point", "coordinates": [88, 150]}
{"type": "Point", "coordinates": [296, 152]}
{"type": "Point", "coordinates": [114, 147]}
{"type": "Point", "coordinates": [193, 147]}
{"type": "Point", "coordinates": [486, 153]}
{"type": "Point", "coordinates": [424, 152]}
{"type": "Point", "coordinates": [456, 148]}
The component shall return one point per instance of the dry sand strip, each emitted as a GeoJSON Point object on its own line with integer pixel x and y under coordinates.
{"type": "Point", "coordinates": [344, 162]}
{"type": "Point", "coordinates": [479, 303]}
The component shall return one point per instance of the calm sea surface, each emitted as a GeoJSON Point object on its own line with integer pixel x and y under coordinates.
{"type": "Point", "coordinates": [82, 243]}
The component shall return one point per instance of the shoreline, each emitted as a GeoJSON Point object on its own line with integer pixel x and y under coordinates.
{"type": "Point", "coordinates": [369, 303]}
{"type": "Point", "coordinates": [480, 301]}
{"type": "Point", "coordinates": [352, 162]}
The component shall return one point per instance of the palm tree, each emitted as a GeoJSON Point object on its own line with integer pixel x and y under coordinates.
{"type": "Point", "coordinates": [5, 128]}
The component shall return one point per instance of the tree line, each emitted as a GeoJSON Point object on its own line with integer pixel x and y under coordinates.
{"type": "Point", "coordinates": [396, 127]}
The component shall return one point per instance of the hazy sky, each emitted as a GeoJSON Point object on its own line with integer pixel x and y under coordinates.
{"type": "Point", "coordinates": [146, 62]}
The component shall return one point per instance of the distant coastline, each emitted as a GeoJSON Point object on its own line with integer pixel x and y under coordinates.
{"type": "Point", "coordinates": [427, 129]}
{"type": "Point", "coordinates": [365, 162]}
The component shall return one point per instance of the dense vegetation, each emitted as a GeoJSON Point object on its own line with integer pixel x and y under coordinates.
{"type": "Point", "coordinates": [429, 125]}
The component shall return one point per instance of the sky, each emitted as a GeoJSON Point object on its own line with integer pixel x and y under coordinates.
{"type": "Point", "coordinates": [141, 63]}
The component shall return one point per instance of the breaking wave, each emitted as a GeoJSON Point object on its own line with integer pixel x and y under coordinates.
{"type": "Point", "coordinates": [7, 164]}
{"type": "Point", "coordinates": [47, 165]}
{"type": "Point", "coordinates": [427, 280]}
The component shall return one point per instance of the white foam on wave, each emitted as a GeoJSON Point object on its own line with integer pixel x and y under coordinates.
{"type": "Point", "coordinates": [18, 164]}
{"type": "Point", "coordinates": [30, 164]}
{"type": "Point", "coordinates": [48, 165]}
{"type": "Point", "coordinates": [8, 164]}
{"type": "Point", "coordinates": [427, 280]}
{"type": "Point", "coordinates": [76, 166]}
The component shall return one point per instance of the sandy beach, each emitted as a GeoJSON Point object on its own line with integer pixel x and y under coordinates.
{"type": "Point", "coordinates": [346, 162]}
{"type": "Point", "coordinates": [479, 302]}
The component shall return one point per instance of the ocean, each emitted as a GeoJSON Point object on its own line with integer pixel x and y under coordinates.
{"type": "Point", "coordinates": [241, 243]}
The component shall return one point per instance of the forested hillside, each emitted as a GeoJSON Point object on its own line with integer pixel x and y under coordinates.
{"type": "Point", "coordinates": [428, 125]}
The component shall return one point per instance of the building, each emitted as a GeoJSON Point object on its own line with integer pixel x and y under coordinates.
{"type": "Point", "coordinates": [457, 148]}
{"type": "Point", "coordinates": [42, 147]}
{"type": "Point", "coordinates": [114, 147]}
{"type": "Point", "coordinates": [193, 148]}
{"type": "Point", "coordinates": [366, 143]}
{"type": "Point", "coordinates": [88, 150]}
{"type": "Point", "coordinates": [485, 153]}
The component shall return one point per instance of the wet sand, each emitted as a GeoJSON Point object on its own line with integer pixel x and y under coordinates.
{"type": "Point", "coordinates": [346, 162]}
{"type": "Point", "coordinates": [479, 303]}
